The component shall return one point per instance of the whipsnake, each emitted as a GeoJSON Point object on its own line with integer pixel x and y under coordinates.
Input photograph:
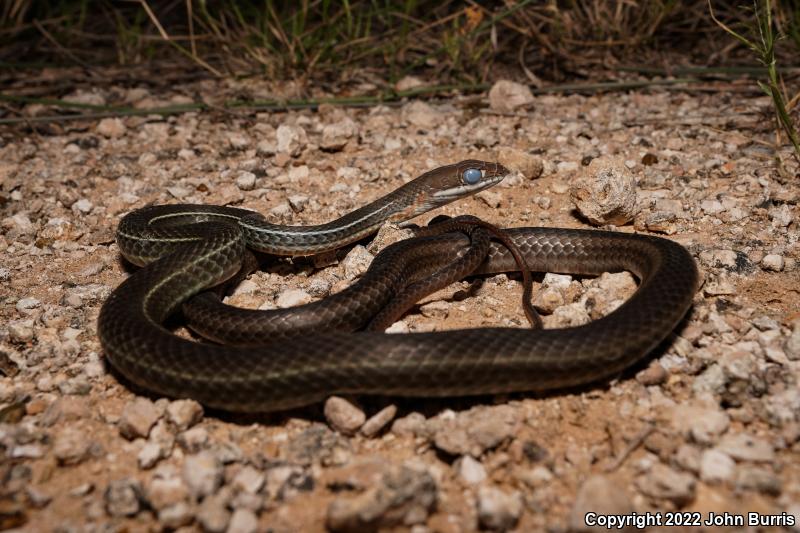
{"type": "Point", "coordinates": [188, 248]}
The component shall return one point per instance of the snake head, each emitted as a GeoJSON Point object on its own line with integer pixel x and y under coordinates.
{"type": "Point", "coordinates": [441, 186]}
{"type": "Point", "coordinates": [459, 180]}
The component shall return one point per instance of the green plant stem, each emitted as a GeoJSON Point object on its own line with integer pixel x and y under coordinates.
{"type": "Point", "coordinates": [764, 47]}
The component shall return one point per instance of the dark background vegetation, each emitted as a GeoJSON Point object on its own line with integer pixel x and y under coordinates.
{"type": "Point", "coordinates": [549, 40]}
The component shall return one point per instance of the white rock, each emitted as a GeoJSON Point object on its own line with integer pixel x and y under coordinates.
{"type": "Point", "coordinates": [792, 344]}
{"type": "Point", "coordinates": [781, 216]}
{"type": "Point", "coordinates": [213, 515]}
{"type": "Point", "coordinates": [249, 480]}
{"type": "Point", "coordinates": [529, 165]}
{"type": "Point", "coordinates": [407, 83]}
{"type": "Point", "coordinates": [237, 141]}
{"type": "Point", "coordinates": [202, 473]}
{"type": "Point", "coordinates": [27, 304]}
{"type": "Point", "coordinates": [293, 298]}
{"type": "Point", "coordinates": [716, 466]}
{"type": "Point", "coordinates": [470, 470]}
{"type": "Point", "coordinates": [378, 421]}
{"type": "Point", "coordinates": [490, 198]}
{"type": "Point", "coordinates": [599, 495]}
{"type": "Point", "coordinates": [606, 193]}
{"type": "Point", "coordinates": [356, 262]}
{"type": "Point", "coordinates": [773, 262]}
{"type": "Point", "coordinates": [298, 202]}
{"type": "Point", "coordinates": [243, 521]}
{"type": "Point", "coordinates": [166, 489]}
{"type": "Point", "coordinates": [193, 440]}
{"type": "Point", "coordinates": [71, 446]}
{"type": "Point", "coordinates": [506, 96]}
{"type": "Point", "coordinates": [335, 136]}
{"type": "Point", "coordinates": [703, 424]}
{"type": "Point", "coordinates": [20, 331]}
{"type": "Point", "coordinates": [112, 128]}
{"type": "Point", "coordinates": [137, 418]}
{"type": "Point", "coordinates": [291, 139]}
{"type": "Point", "coordinates": [497, 509]}
{"type": "Point", "coordinates": [343, 416]}
{"type": "Point", "coordinates": [421, 114]}
{"type": "Point", "coordinates": [149, 455]}
{"type": "Point", "coordinates": [667, 483]}
{"type": "Point", "coordinates": [184, 413]}
{"type": "Point", "coordinates": [83, 206]}
{"type": "Point", "coordinates": [746, 447]}
{"type": "Point", "coordinates": [437, 309]}
{"type": "Point", "coordinates": [246, 181]}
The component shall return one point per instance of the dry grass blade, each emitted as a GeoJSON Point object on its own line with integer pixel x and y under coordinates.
{"type": "Point", "coordinates": [171, 41]}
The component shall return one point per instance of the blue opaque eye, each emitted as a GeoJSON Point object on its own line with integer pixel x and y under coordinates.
{"type": "Point", "coordinates": [472, 176]}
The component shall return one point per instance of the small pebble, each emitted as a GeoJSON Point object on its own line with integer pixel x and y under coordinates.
{"type": "Point", "coordinates": [702, 424]}
{"type": "Point", "coordinates": [421, 114]}
{"type": "Point", "coordinates": [298, 202]}
{"type": "Point", "coordinates": [246, 181]}
{"type": "Point", "coordinates": [166, 489]}
{"type": "Point", "coordinates": [84, 206]}
{"type": "Point", "coordinates": [176, 516]}
{"type": "Point", "coordinates": [184, 413]}
{"type": "Point", "coordinates": [123, 497]}
{"type": "Point", "coordinates": [792, 344]}
{"type": "Point", "coordinates": [599, 495]}
{"type": "Point", "coordinates": [378, 421]}
{"type": "Point", "coordinates": [20, 331]}
{"type": "Point", "coordinates": [249, 480]}
{"type": "Point", "coordinates": [243, 521]}
{"type": "Point", "coordinates": [71, 446]}
{"type": "Point", "coordinates": [529, 165]}
{"type": "Point", "coordinates": [193, 440]}
{"type": "Point", "coordinates": [470, 470]}
{"type": "Point", "coordinates": [343, 416]}
{"type": "Point", "coordinates": [293, 298]}
{"type": "Point", "coordinates": [213, 515]}
{"type": "Point", "coordinates": [202, 473]}
{"type": "Point", "coordinates": [335, 136]}
{"type": "Point", "coordinates": [356, 262]}
{"type": "Point", "coordinates": [506, 96]}
{"type": "Point", "coordinates": [291, 139]}
{"type": "Point", "coordinates": [492, 199]}
{"type": "Point", "coordinates": [138, 416]}
{"type": "Point", "coordinates": [112, 128]}
{"type": "Point", "coordinates": [663, 482]}
{"type": "Point", "coordinates": [773, 262]}
{"type": "Point", "coordinates": [746, 447]}
{"type": "Point", "coordinates": [24, 305]}
{"type": "Point", "coordinates": [438, 309]}
{"type": "Point", "coordinates": [497, 509]}
{"type": "Point", "coordinates": [716, 466]}
{"type": "Point", "coordinates": [237, 141]}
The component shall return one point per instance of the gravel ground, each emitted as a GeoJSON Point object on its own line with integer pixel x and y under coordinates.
{"type": "Point", "coordinates": [708, 424]}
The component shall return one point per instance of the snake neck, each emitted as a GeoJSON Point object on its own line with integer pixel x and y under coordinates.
{"type": "Point", "coordinates": [397, 206]}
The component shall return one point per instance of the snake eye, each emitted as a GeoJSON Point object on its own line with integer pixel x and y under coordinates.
{"type": "Point", "coordinates": [471, 176]}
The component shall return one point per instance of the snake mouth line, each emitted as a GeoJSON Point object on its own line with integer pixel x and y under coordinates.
{"type": "Point", "coordinates": [454, 193]}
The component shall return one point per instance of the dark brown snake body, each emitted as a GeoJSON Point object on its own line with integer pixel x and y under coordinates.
{"type": "Point", "coordinates": [287, 373]}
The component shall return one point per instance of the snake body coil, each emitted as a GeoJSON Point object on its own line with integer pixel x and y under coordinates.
{"type": "Point", "coordinates": [184, 259]}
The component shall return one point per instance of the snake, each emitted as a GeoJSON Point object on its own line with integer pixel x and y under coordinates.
{"type": "Point", "coordinates": [186, 249]}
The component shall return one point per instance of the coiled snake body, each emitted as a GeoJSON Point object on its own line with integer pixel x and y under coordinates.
{"type": "Point", "coordinates": [187, 249]}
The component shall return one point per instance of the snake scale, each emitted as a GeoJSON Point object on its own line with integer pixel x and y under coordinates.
{"type": "Point", "coordinates": [186, 249]}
